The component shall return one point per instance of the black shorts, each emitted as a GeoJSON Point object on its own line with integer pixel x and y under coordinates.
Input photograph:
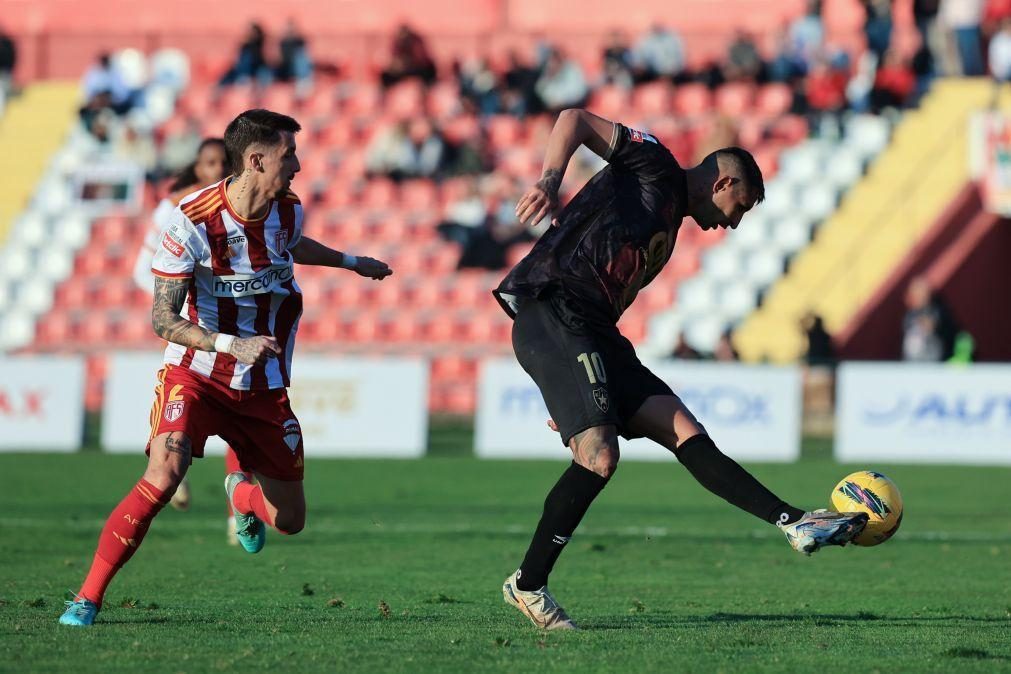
{"type": "Point", "coordinates": [588, 373]}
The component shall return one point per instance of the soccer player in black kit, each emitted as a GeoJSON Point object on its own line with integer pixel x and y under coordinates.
{"type": "Point", "coordinates": [565, 298]}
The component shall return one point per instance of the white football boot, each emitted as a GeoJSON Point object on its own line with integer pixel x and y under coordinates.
{"type": "Point", "coordinates": [538, 605]}
{"type": "Point", "coordinates": [819, 528]}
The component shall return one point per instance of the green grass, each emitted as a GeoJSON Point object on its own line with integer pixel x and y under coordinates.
{"type": "Point", "coordinates": [662, 576]}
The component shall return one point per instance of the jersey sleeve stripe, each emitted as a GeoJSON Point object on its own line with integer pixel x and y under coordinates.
{"type": "Point", "coordinates": [209, 209]}
{"type": "Point", "coordinates": [165, 274]}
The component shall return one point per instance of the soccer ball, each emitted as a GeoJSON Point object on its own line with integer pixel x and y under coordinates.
{"type": "Point", "coordinates": [872, 493]}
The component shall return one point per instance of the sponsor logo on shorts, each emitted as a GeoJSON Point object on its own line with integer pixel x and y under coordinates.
{"type": "Point", "coordinates": [243, 285]}
{"type": "Point", "coordinates": [292, 435]}
{"type": "Point", "coordinates": [281, 240]}
{"type": "Point", "coordinates": [169, 243]}
{"type": "Point", "coordinates": [638, 136]}
{"type": "Point", "coordinates": [600, 397]}
{"type": "Point", "coordinates": [174, 410]}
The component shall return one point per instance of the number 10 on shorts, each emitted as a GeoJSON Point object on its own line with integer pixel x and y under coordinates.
{"type": "Point", "coordinates": [594, 365]}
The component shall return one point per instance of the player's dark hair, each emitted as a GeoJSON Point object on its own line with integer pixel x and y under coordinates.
{"type": "Point", "coordinates": [188, 176]}
{"type": "Point", "coordinates": [745, 163]}
{"type": "Point", "coordinates": [255, 127]}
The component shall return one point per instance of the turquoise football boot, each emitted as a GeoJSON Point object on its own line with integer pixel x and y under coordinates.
{"type": "Point", "coordinates": [249, 530]}
{"type": "Point", "coordinates": [80, 613]}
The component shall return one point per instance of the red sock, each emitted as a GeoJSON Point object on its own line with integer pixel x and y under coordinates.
{"type": "Point", "coordinates": [122, 535]}
{"type": "Point", "coordinates": [248, 499]}
{"type": "Point", "coordinates": [232, 465]}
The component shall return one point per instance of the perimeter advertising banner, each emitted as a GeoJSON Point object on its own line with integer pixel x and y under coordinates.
{"type": "Point", "coordinates": [357, 407]}
{"type": "Point", "coordinates": [753, 412]}
{"type": "Point", "coordinates": [41, 404]}
{"type": "Point", "coordinates": [923, 413]}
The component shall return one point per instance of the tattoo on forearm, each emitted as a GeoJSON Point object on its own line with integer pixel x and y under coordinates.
{"type": "Point", "coordinates": [178, 443]}
{"type": "Point", "coordinates": [550, 181]}
{"type": "Point", "coordinates": [169, 295]}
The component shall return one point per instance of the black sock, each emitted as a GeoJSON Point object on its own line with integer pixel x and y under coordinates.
{"type": "Point", "coordinates": [723, 476]}
{"type": "Point", "coordinates": [564, 507]}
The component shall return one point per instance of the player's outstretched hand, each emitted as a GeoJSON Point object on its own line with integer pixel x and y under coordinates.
{"type": "Point", "coordinates": [552, 425]}
{"type": "Point", "coordinates": [538, 201]}
{"type": "Point", "coordinates": [255, 350]}
{"type": "Point", "coordinates": [371, 268]}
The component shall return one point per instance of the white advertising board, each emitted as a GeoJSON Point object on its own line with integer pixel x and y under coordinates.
{"type": "Point", "coordinates": [41, 403]}
{"type": "Point", "coordinates": [752, 412]}
{"type": "Point", "coordinates": [923, 413]}
{"type": "Point", "coordinates": [345, 407]}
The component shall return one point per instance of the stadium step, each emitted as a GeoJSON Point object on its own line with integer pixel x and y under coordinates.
{"type": "Point", "coordinates": [881, 218]}
{"type": "Point", "coordinates": [33, 126]}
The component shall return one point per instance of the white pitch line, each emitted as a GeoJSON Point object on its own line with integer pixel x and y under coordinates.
{"type": "Point", "coordinates": [182, 523]}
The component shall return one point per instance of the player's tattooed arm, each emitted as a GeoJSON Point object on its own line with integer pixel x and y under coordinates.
{"type": "Point", "coordinates": [169, 295]}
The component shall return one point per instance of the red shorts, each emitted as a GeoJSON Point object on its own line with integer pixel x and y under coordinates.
{"type": "Point", "coordinates": [259, 425]}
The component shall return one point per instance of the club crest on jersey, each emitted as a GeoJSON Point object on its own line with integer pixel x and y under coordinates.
{"type": "Point", "coordinates": [281, 240]}
{"type": "Point", "coordinates": [292, 435]}
{"type": "Point", "coordinates": [174, 410]}
{"type": "Point", "coordinates": [601, 399]}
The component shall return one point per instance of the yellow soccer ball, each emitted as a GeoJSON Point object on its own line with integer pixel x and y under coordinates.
{"type": "Point", "coordinates": [868, 492]}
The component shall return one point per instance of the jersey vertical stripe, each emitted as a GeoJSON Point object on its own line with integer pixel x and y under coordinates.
{"type": "Point", "coordinates": [242, 282]}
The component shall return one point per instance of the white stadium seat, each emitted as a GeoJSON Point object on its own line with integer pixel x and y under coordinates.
{"type": "Point", "coordinates": [696, 295]}
{"type": "Point", "coordinates": [818, 200]}
{"type": "Point", "coordinates": [764, 266]}
{"type": "Point", "coordinates": [703, 332]}
{"type": "Point", "coordinates": [738, 299]}
{"type": "Point", "coordinates": [722, 263]}
{"type": "Point", "coordinates": [56, 263]}
{"type": "Point", "coordinates": [36, 296]}
{"type": "Point", "coordinates": [791, 234]}
{"type": "Point", "coordinates": [17, 330]}
{"type": "Point", "coordinates": [170, 67]}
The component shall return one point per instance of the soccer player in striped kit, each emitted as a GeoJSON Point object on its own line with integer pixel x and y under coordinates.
{"type": "Point", "coordinates": [227, 302]}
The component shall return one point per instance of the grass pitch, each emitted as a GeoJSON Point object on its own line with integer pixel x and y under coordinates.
{"type": "Point", "coordinates": [401, 564]}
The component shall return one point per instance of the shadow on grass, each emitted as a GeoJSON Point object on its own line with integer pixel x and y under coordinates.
{"type": "Point", "coordinates": [667, 619]}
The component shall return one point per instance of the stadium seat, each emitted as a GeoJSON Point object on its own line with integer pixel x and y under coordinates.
{"type": "Point", "coordinates": [692, 99]}
{"type": "Point", "coordinates": [610, 101]}
{"type": "Point", "coordinates": [655, 99]}
{"type": "Point", "coordinates": [773, 100]}
{"type": "Point", "coordinates": [735, 98]}
{"type": "Point", "coordinates": [443, 101]}
{"type": "Point", "coordinates": [504, 131]}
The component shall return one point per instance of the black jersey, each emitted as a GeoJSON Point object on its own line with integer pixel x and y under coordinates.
{"type": "Point", "coordinates": [615, 235]}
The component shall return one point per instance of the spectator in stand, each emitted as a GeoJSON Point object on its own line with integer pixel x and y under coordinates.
{"type": "Point", "coordinates": [683, 351]}
{"type": "Point", "coordinates": [179, 147]}
{"type": "Point", "coordinates": [820, 350]}
{"type": "Point", "coordinates": [295, 64]}
{"type": "Point", "coordinates": [105, 88]}
{"type": "Point", "coordinates": [409, 149]}
{"type": "Point", "coordinates": [562, 84]}
{"type": "Point", "coordinates": [878, 26]}
{"type": "Point", "coordinates": [249, 63]}
{"type": "Point", "coordinates": [925, 16]}
{"type": "Point", "coordinates": [825, 91]}
{"type": "Point", "coordinates": [520, 94]}
{"type": "Point", "coordinates": [807, 36]}
{"type": "Point", "coordinates": [962, 18]}
{"type": "Point", "coordinates": [138, 148]}
{"type": "Point", "coordinates": [464, 216]}
{"type": "Point", "coordinates": [894, 83]}
{"type": "Point", "coordinates": [1000, 56]}
{"type": "Point", "coordinates": [8, 59]}
{"type": "Point", "coordinates": [409, 58]}
{"type": "Point", "coordinates": [725, 351]}
{"type": "Point", "coordinates": [928, 327]}
{"type": "Point", "coordinates": [785, 66]}
{"type": "Point", "coordinates": [617, 60]}
{"type": "Point", "coordinates": [479, 86]}
{"type": "Point", "coordinates": [659, 54]}
{"type": "Point", "coordinates": [744, 63]}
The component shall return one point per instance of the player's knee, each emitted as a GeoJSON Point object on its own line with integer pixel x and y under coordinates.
{"type": "Point", "coordinates": [165, 477]}
{"type": "Point", "coordinates": [601, 458]}
{"type": "Point", "coordinates": [290, 523]}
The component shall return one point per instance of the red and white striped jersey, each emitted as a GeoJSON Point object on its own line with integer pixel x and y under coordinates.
{"type": "Point", "coordinates": [241, 278]}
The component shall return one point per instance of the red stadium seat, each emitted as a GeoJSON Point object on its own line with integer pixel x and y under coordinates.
{"type": "Point", "coordinates": [279, 97]}
{"type": "Point", "coordinates": [462, 129]}
{"type": "Point", "coordinates": [774, 99]}
{"type": "Point", "coordinates": [419, 194]}
{"type": "Point", "coordinates": [405, 100]}
{"type": "Point", "coordinates": [654, 99]}
{"type": "Point", "coordinates": [504, 131]}
{"type": "Point", "coordinates": [735, 98]}
{"type": "Point", "coordinates": [365, 100]}
{"type": "Point", "coordinates": [610, 101]}
{"type": "Point", "coordinates": [443, 101]}
{"type": "Point", "coordinates": [379, 193]}
{"type": "Point", "coordinates": [692, 99]}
